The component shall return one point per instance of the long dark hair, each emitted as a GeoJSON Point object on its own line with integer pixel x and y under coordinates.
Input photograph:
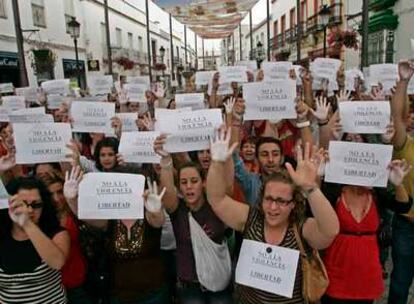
{"type": "Point", "coordinates": [48, 221]}
{"type": "Point", "coordinates": [108, 142]}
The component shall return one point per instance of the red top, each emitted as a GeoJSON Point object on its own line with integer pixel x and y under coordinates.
{"type": "Point", "coordinates": [74, 270]}
{"type": "Point", "coordinates": [353, 261]}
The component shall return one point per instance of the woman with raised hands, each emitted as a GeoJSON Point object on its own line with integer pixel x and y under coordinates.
{"type": "Point", "coordinates": [274, 220]}
{"type": "Point", "coordinates": [203, 260]}
{"type": "Point", "coordinates": [136, 271]}
{"type": "Point", "coordinates": [33, 246]}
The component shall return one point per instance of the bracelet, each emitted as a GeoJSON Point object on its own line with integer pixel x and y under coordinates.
{"type": "Point", "coordinates": [310, 191]}
{"type": "Point", "coordinates": [324, 123]}
{"type": "Point", "coordinates": [167, 165]}
{"type": "Point", "coordinates": [303, 124]}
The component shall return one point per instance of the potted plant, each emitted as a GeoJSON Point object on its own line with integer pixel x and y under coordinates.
{"type": "Point", "coordinates": [42, 60]}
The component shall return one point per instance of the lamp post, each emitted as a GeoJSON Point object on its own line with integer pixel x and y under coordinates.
{"type": "Point", "coordinates": [162, 54]}
{"type": "Point", "coordinates": [259, 54]}
{"type": "Point", "coordinates": [74, 31]}
{"type": "Point", "coordinates": [324, 15]}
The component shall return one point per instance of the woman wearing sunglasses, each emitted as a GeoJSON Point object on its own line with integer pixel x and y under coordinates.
{"type": "Point", "coordinates": [33, 246]}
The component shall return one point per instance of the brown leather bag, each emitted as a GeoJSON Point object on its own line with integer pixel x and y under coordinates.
{"type": "Point", "coordinates": [315, 277]}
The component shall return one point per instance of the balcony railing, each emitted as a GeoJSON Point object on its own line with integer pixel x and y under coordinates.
{"type": "Point", "coordinates": [117, 52]}
{"type": "Point", "coordinates": [336, 13]}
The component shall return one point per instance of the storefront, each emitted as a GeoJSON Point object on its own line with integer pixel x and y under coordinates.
{"type": "Point", "coordinates": [9, 68]}
{"type": "Point", "coordinates": [70, 71]}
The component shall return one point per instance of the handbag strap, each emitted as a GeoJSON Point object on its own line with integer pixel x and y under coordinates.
{"type": "Point", "coordinates": [299, 240]}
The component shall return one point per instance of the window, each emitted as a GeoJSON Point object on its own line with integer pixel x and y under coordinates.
{"type": "Point", "coordinates": [292, 20]}
{"type": "Point", "coordinates": [304, 11]}
{"type": "Point", "coordinates": [3, 9]}
{"type": "Point", "coordinates": [315, 7]}
{"type": "Point", "coordinates": [130, 41]}
{"type": "Point", "coordinates": [118, 36]}
{"type": "Point", "coordinates": [140, 44]}
{"type": "Point", "coordinates": [38, 13]}
{"type": "Point", "coordinates": [103, 33]}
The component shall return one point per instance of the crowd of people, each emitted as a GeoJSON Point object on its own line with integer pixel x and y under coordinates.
{"type": "Point", "coordinates": [260, 181]}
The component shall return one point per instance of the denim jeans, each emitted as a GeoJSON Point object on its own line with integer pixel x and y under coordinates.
{"type": "Point", "coordinates": [194, 295]}
{"type": "Point", "coordinates": [403, 260]}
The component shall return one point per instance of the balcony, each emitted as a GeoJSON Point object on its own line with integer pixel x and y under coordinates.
{"type": "Point", "coordinates": [117, 52]}
{"type": "Point", "coordinates": [336, 14]}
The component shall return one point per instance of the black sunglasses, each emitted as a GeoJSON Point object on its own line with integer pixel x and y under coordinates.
{"type": "Point", "coordinates": [34, 205]}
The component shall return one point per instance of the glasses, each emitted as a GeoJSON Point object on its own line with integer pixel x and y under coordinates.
{"type": "Point", "coordinates": [279, 201]}
{"type": "Point", "coordinates": [34, 205]}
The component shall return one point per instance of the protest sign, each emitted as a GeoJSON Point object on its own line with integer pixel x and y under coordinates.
{"type": "Point", "coordinates": [270, 100]}
{"type": "Point", "coordinates": [138, 147]}
{"type": "Point", "coordinates": [144, 80]}
{"type": "Point", "coordinates": [276, 70]}
{"type": "Point", "coordinates": [358, 164]}
{"type": "Point", "coordinates": [193, 100]}
{"type": "Point", "coordinates": [365, 117]}
{"type": "Point", "coordinates": [249, 64]}
{"type": "Point", "coordinates": [4, 115]}
{"type": "Point", "coordinates": [204, 77]}
{"type": "Point", "coordinates": [128, 121]}
{"type": "Point", "coordinates": [136, 92]}
{"type": "Point", "coordinates": [410, 89]}
{"type": "Point", "coordinates": [229, 74]}
{"type": "Point", "coordinates": [350, 78]}
{"type": "Point", "coordinates": [30, 111]}
{"type": "Point", "coordinates": [4, 196]}
{"type": "Point", "coordinates": [29, 93]}
{"type": "Point", "coordinates": [326, 68]}
{"type": "Point", "coordinates": [188, 131]}
{"type": "Point", "coordinates": [30, 118]}
{"type": "Point", "coordinates": [267, 267]}
{"type": "Point", "coordinates": [41, 142]}
{"type": "Point", "coordinates": [59, 86]}
{"type": "Point", "coordinates": [92, 117]}
{"type": "Point", "coordinates": [13, 103]}
{"type": "Point", "coordinates": [111, 196]}
{"type": "Point", "coordinates": [6, 88]}
{"type": "Point", "coordinates": [298, 71]}
{"type": "Point", "coordinates": [386, 74]}
{"type": "Point", "coordinates": [54, 101]}
{"type": "Point", "coordinates": [100, 84]}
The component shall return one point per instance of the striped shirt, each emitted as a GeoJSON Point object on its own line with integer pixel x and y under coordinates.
{"type": "Point", "coordinates": [255, 231]}
{"type": "Point", "coordinates": [42, 286]}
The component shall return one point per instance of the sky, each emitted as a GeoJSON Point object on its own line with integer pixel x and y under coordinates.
{"type": "Point", "coordinates": [157, 14]}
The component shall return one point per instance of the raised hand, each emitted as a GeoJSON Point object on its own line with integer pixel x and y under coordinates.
{"type": "Point", "coordinates": [74, 156]}
{"type": "Point", "coordinates": [406, 70]}
{"type": "Point", "coordinates": [229, 105]}
{"type": "Point", "coordinates": [159, 145]}
{"type": "Point", "coordinates": [152, 199]}
{"type": "Point", "coordinates": [72, 180]}
{"type": "Point", "coordinates": [398, 170]}
{"type": "Point", "coordinates": [302, 110]}
{"type": "Point", "coordinates": [116, 124]}
{"type": "Point", "coordinates": [322, 109]}
{"type": "Point", "coordinates": [148, 122]}
{"type": "Point", "coordinates": [7, 162]}
{"type": "Point", "coordinates": [219, 148]}
{"type": "Point", "coordinates": [306, 171]}
{"type": "Point", "coordinates": [343, 96]}
{"type": "Point", "coordinates": [388, 136]}
{"type": "Point", "coordinates": [18, 211]}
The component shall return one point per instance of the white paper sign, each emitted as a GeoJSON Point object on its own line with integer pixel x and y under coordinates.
{"type": "Point", "coordinates": [6, 87]}
{"type": "Point", "coordinates": [29, 93]}
{"type": "Point", "coordinates": [326, 67]}
{"type": "Point", "coordinates": [31, 118]}
{"type": "Point", "coordinates": [4, 196]}
{"type": "Point", "coordinates": [386, 74]}
{"type": "Point", "coordinates": [350, 77]}
{"type": "Point", "coordinates": [136, 92]}
{"type": "Point", "coordinates": [267, 267]}
{"type": "Point", "coordinates": [54, 101]}
{"type": "Point", "coordinates": [13, 103]}
{"type": "Point", "coordinates": [249, 64]}
{"type": "Point", "coordinates": [229, 74]}
{"type": "Point", "coordinates": [276, 70]}
{"type": "Point", "coordinates": [60, 86]}
{"type": "Point", "coordinates": [270, 100]}
{"type": "Point", "coordinates": [365, 117]}
{"type": "Point", "coordinates": [410, 89]}
{"type": "Point", "coordinates": [193, 100]}
{"type": "Point", "coordinates": [30, 111]}
{"type": "Point", "coordinates": [138, 147]}
{"type": "Point", "coordinates": [358, 164]}
{"type": "Point", "coordinates": [92, 117]}
{"type": "Point", "coordinates": [298, 72]}
{"type": "Point", "coordinates": [204, 77]}
{"type": "Point", "coordinates": [188, 131]}
{"type": "Point", "coordinates": [145, 80]}
{"type": "Point", "coordinates": [111, 196]}
{"type": "Point", "coordinates": [4, 115]}
{"type": "Point", "coordinates": [100, 85]}
{"type": "Point", "coordinates": [41, 143]}
{"type": "Point", "coordinates": [128, 121]}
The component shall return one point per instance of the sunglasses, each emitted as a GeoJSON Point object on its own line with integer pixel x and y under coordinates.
{"type": "Point", "coordinates": [34, 205]}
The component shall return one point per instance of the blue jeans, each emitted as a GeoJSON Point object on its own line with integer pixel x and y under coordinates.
{"type": "Point", "coordinates": [403, 260]}
{"type": "Point", "coordinates": [194, 295]}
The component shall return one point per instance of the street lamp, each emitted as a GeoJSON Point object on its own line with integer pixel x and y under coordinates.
{"type": "Point", "coordinates": [162, 54]}
{"type": "Point", "coordinates": [324, 16]}
{"type": "Point", "coordinates": [74, 31]}
{"type": "Point", "coordinates": [259, 54]}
